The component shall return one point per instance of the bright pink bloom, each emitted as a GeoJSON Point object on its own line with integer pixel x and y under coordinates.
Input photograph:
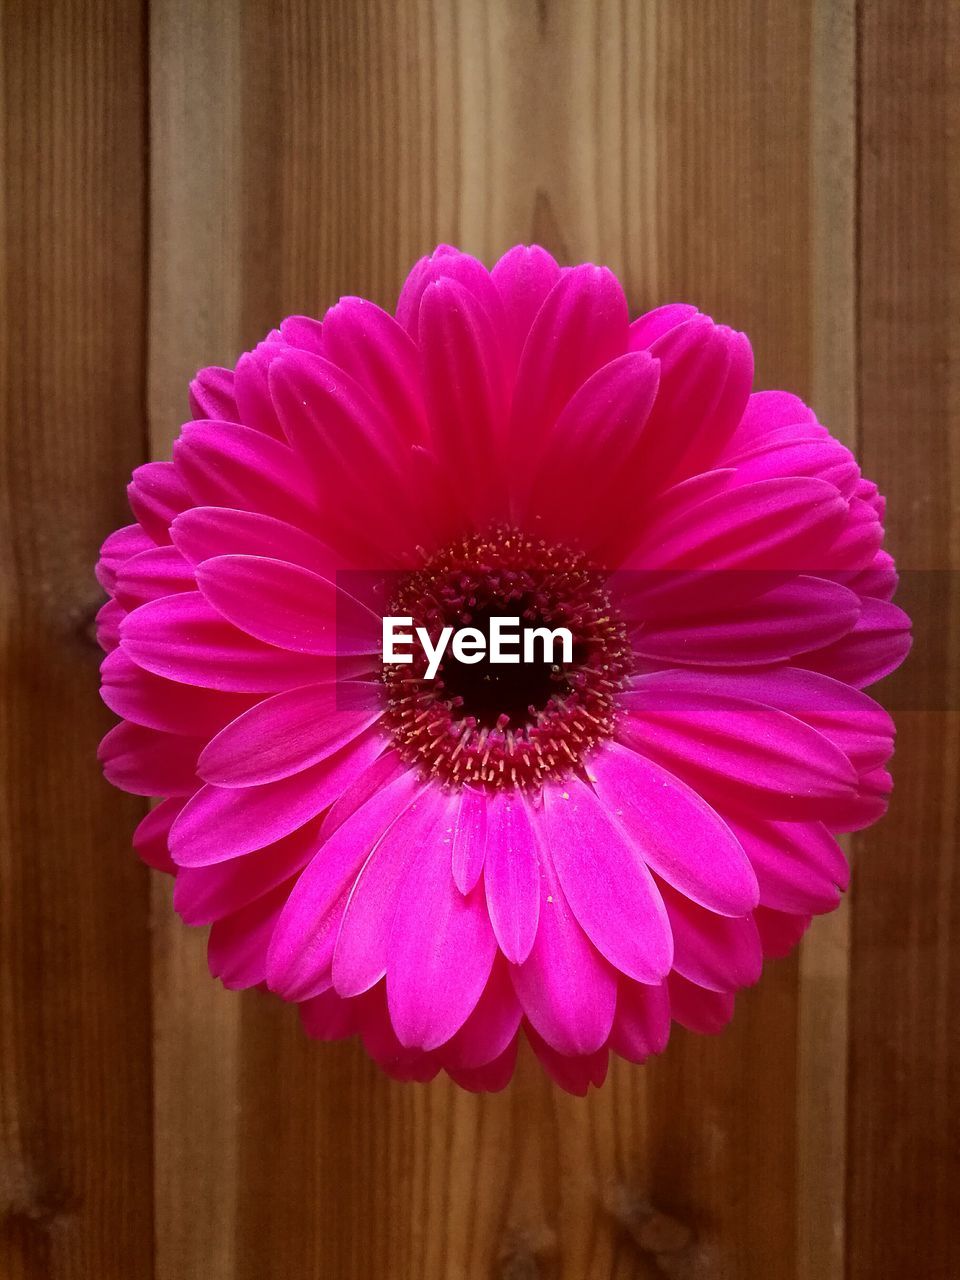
{"type": "Point", "coordinates": [582, 854]}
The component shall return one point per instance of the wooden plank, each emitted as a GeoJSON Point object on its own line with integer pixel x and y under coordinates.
{"type": "Point", "coordinates": [904, 1127]}
{"type": "Point", "coordinates": [75, 1167]}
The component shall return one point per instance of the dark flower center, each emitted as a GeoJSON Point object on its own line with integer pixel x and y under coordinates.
{"type": "Point", "coordinates": [497, 724]}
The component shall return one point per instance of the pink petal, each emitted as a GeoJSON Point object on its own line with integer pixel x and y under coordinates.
{"type": "Point", "coordinates": [150, 837]}
{"type": "Point", "coordinates": [233, 466]}
{"type": "Point", "coordinates": [237, 947]}
{"type": "Point", "coordinates": [575, 1075]}
{"type": "Point", "coordinates": [654, 324]}
{"type": "Point", "coordinates": [156, 494]}
{"type": "Point", "coordinates": [511, 875]}
{"type": "Point", "coordinates": [440, 952]}
{"type": "Point", "coordinates": [492, 1076]}
{"type": "Point", "coordinates": [361, 951]}
{"type": "Point", "coordinates": [328, 1017]}
{"type": "Point", "coordinates": [368, 344]}
{"type": "Point", "coordinates": [109, 620]}
{"type": "Point", "coordinates": [155, 703]}
{"type": "Point", "coordinates": [303, 332]}
{"type": "Point", "coordinates": [145, 762]}
{"type": "Point", "coordinates": [285, 605]}
{"type": "Point", "coordinates": [581, 326]}
{"type": "Point", "coordinates": [490, 1029]}
{"type": "Point", "coordinates": [721, 953]}
{"type": "Point", "coordinates": [252, 390]}
{"type": "Point", "coordinates": [303, 945]}
{"type": "Point", "coordinates": [565, 988]}
{"type": "Point", "coordinates": [779, 931]}
{"type": "Point", "coordinates": [788, 455]}
{"type": "Point", "coordinates": [161, 571]}
{"type": "Point", "coordinates": [596, 433]}
{"type": "Point", "coordinates": [289, 732]}
{"type": "Point", "coordinates": [803, 614]}
{"type": "Point", "coordinates": [676, 832]}
{"type": "Point", "coordinates": [877, 645]}
{"type": "Point", "coordinates": [211, 395]}
{"type": "Point", "coordinates": [447, 263]}
{"type": "Point", "coordinates": [706, 1012]}
{"type": "Point", "coordinates": [773, 524]}
{"type": "Point", "coordinates": [642, 1023]}
{"type": "Point", "coordinates": [799, 865]}
{"type": "Point", "coordinates": [734, 743]}
{"type": "Point", "coordinates": [225, 822]}
{"type": "Point", "coordinates": [204, 532]}
{"type": "Point", "coordinates": [466, 392]}
{"type": "Point", "coordinates": [706, 371]}
{"type": "Point", "coordinates": [183, 638]}
{"type": "Point", "coordinates": [767, 412]}
{"type": "Point", "coordinates": [524, 277]}
{"type": "Point", "coordinates": [606, 882]}
{"type": "Point", "coordinates": [348, 445]}
{"type": "Point", "coordinates": [117, 549]}
{"type": "Point", "coordinates": [202, 895]}
{"type": "Point", "coordinates": [469, 839]}
{"type": "Point", "coordinates": [384, 770]}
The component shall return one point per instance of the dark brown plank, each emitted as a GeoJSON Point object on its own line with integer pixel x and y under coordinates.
{"type": "Point", "coordinates": [76, 1166]}
{"type": "Point", "coordinates": [904, 1131]}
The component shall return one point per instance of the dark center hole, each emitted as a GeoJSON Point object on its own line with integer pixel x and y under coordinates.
{"type": "Point", "coordinates": [490, 689]}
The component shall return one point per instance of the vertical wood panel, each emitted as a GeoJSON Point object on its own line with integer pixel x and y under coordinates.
{"type": "Point", "coordinates": [904, 1132]}
{"type": "Point", "coordinates": [75, 1169]}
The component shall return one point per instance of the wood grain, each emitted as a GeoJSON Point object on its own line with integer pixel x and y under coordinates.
{"type": "Point", "coordinates": [904, 1132]}
{"type": "Point", "coordinates": [790, 168]}
{"type": "Point", "coordinates": [75, 1165]}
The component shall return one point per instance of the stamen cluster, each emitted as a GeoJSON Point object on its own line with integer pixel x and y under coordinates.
{"type": "Point", "coordinates": [507, 726]}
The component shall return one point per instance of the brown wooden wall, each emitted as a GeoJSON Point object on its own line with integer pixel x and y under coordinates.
{"type": "Point", "coordinates": [177, 175]}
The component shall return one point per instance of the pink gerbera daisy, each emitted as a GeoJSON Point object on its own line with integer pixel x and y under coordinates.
{"type": "Point", "coordinates": [580, 852]}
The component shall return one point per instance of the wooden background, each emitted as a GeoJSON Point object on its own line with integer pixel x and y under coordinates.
{"type": "Point", "coordinates": [174, 178]}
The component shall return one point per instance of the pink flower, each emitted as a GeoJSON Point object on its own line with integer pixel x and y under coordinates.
{"type": "Point", "coordinates": [580, 853]}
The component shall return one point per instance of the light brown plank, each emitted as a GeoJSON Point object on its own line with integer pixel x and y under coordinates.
{"type": "Point", "coordinates": [75, 1161]}
{"type": "Point", "coordinates": [904, 1130]}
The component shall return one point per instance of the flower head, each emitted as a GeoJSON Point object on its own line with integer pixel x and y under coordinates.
{"type": "Point", "coordinates": [582, 851]}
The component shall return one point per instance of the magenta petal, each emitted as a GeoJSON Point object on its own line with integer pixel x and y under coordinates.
{"type": "Point", "coordinates": [328, 1017]}
{"type": "Point", "coordinates": [447, 263]}
{"type": "Point", "coordinates": [802, 614]}
{"type": "Point", "coordinates": [285, 605]}
{"type": "Point", "coordinates": [368, 344]}
{"type": "Point", "coordinates": [225, 822]}
{"type": "Point", "coordinates": [642, 1023]}
{"type": "Point", "coordinates": [772, 524]}
{"type": "Point", "coordinates": [161, 571]}
{"type": "Point", "coordinates": [146, 699]}
{"type": "Point", "coordinates": [768, 412]}
{"type": "Point", "coordinates": [721, 953]}
{"type": "Point", "coordinates": [675, 831]}
{"type": "Point", "coordinates": [800, 867]}
{"type": "Point", "coordinates": [377, 775]}
{"type": "Point", "coordinates": [150, 837]}
{"type": "Point", "coordinates": [524, 277]}
{"type": "Point", "coordinates": [511, 875]}
{"type": "Point", "coordinates": [202, 895]}
{"type": "Point", "coordinates": [204, 532]}
{"type": "Point", "coordinates": [289, 732]}
{"type": "Point", "coordinates": [565, 988]}
{"type": "Point", "coordinates": [156, 494]}
{"type": "Point", "coordinates": [492, 1076]}
{"type": "Point", "coordinates": [183, 638]}
{"type": "Point", "coordinates": [574, 1074]}
{"type": "Point", "coordinates": [232, 466]}
{"type": "Point", "coordinates": [237, 947]}
{"type": "Point", "coordinates": [440, 952]}
{"type": "Point", "coordinates": [490, 1029]}
{"type": "Point", "coordinates": [606, 882]}
{"type": "Point", "coordinates": [747, 745]}
{"type": "Point", "coordinates": [360, 955]}
{"type": "Point", "coordinates": [302, 948]}
{"type": "Point", "coordinates": [779, 931]}
{"type": "Point", "coordinates": [785, 454]}
{"type": "Point", "coordinates": [109, 619]}
{"type": "Point", "coordinates": [876, 646]}
{"type": "Point", "coordinates": [654, 324]}
{"type": "Point", "coordinates": [697, 1009]}
{"type": "Point", "coordinates": [146, 762]}
{"type": "Point", "coordinates": [252, 390]}
{"type": "Point", "coordinates": [117, 549]}
{"type": "Point", "coordinates": [466, 392]}
{"type": "Point", "coordinates": [581, 325]}
{"type": "Point", "coordinates": [469, 838]}
{"type": "Point", "coordinates": [211, 395]}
